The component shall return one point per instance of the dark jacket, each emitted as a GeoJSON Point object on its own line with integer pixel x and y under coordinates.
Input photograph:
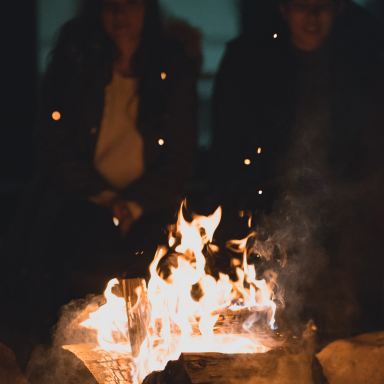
{"type": "Point", "coordinates": [328, 220]}
{"type": "Point", "coordinates": [255, 101]}
{"type": "Point", "coordinates": [56, 232]}
{"type": "Point", "coordinates": [54, 208]}
{"type": "Point", "coordinates": [74, 85]}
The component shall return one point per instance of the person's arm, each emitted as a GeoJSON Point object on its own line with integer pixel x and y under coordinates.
{"type": "Point", "coordinates": [225, 94]}
{"type": "Point", "coordinates": [61, 153]}
{"type": "Point", "coordinates": [240, 126]}
{"type": "Point", "coordinates": [228, 125]}
{"type": "Point", "coordinates": [162, 184]}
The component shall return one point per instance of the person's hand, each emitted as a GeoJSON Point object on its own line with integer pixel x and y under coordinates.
{"type": "Point", "coordinates": [122, 216]}
{"type": "Point", "coordinates": [104, 198]}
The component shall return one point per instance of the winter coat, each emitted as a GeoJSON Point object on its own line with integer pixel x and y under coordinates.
{"type": "Point", "coordinates": [255, 99]}
{"type": "Point", "coordinates": [74, 86]}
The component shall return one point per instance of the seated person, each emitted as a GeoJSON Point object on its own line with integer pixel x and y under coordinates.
{"type": "Point", "coordinates": [298, 122]}
{"type": "Point", "coordinates": [118, 132]}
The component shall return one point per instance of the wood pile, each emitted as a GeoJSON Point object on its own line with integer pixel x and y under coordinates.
{"type": "Point", "coordinates": [286, 365]}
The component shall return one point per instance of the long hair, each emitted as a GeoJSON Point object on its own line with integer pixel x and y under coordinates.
{"type": "Point", "coordinates": [89, 16]}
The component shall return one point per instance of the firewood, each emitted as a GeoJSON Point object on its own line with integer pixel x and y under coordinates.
{"type": "Point", "coordinates": [288, 365]}
{"type": "Point", "coordinates": [106, 367]}
{"type": "Point", "coordinates": [291, 363]}
{"type": "Point", "coordinates": [274, 367]}
{"type": "Point", "coordinates": [138, 310]}
{"type": "Point", "coordinates": [236, 322]}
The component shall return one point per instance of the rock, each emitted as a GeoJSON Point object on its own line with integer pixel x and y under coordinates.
{"type": "Point", "coordinates": [51, 365]}
{"type": "Point", "coordinates": [358, 360]}
{"type": "Point", "coordinates": [9, 370]}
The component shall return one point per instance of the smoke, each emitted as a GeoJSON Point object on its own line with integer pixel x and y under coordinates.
{"type": "Point", "coordinates": [53, 364]}
{"type": "Point", "coordinates": [297, 240]}
{"type": "Point", "coordinates": [68, 329]}
{"type": "Point", "coordinates": [324, 227]}
{"type": "Point", "coordinates": [294, 228]}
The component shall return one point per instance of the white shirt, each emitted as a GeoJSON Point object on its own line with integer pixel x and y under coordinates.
{"type": "Point", "coordinates": [119, 149]}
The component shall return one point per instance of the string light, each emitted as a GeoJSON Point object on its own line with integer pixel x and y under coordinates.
{"type": "Point", "coordinates": [247, 162]}
{"type": "Point", "coordinates": [259, 150]}
{"type": "Point", "coordinates": [163, 75]}
{"type": "Point", "coordinates": [260, 192]}
{"type": "Point", "coordinates": [275, 35]}
{"type": "Point", "coordinates": [56, 115]}
{"type": "Point", "coordinates": [161, 142]}
{"type": "Point", "coordinates": [116, 221]}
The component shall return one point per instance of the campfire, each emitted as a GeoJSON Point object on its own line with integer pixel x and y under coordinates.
{"type": "Point", "coordinates": [184, 309]}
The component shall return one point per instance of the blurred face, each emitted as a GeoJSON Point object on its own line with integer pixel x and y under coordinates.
{"type": "Point", "coordinates": [310, 22]}
{"type": "Point", "coordinates": [123, 19]}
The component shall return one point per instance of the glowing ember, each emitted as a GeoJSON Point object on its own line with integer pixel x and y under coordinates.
{"type": "Point", "coordinates": [191, 310]}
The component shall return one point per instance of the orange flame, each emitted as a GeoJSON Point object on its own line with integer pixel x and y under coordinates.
{"type": "Point", "coordinates": [111, 322]}
{"type": "Point", "coordinates": [186, 303]}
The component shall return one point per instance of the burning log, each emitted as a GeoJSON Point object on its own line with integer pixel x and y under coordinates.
{"type": "Point", "coordinates": [212, 325]}
{"type": "Point", "coordinates": [290, 364]}
{"type": "Point", "coordinates": [107, 367]}
{"type": "Point", "coordinates": [280, 366]}
{"type": "Point", "coordinates": [357, 360]}
{"type": "Point", "coordinates": [236, 322]}
{"type": "Point", "coordinates": [135, 295]}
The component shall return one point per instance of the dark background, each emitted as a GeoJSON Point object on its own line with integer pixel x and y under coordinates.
{"type": "Point", "coordinates": [20, 72]}
{"type": "Point", "coordinates": [18, 102]}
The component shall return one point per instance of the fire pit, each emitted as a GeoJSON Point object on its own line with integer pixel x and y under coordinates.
{"type": "Point", "coordinates": [191, 326]}
{"type": "Point", "coordinates": [292, 363]}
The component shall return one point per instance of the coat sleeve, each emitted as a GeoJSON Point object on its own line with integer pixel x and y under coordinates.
{"type": "Point", "coordinates": [61, 152]}
{"type": "Point", "coordinates": [228, 126]}
{"type": "Point", "coordinates": [224, 114]}
{"type": "Point", "coordinates": [230, 109]}
{"type": "Point", "coordinates": [163, 184]}
{"type": "Point", "coordinates": [238, 172]}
